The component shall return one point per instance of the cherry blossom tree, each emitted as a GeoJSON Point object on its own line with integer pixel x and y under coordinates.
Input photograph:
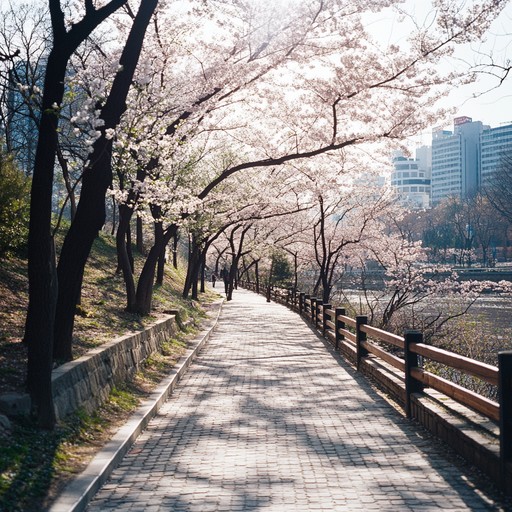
{"type": "Point", "coordinates": [97, 178]}
{"type": "Point", "coordinates": [41, 253]}
{"type": "Point", "coordinates": [412, 292]}
{"type": "Point", "coordinates": [271, 84]}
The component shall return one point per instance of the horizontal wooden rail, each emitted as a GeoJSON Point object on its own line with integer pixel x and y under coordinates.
{"type": "Point", "coordinates": [385, 356]}
{"type": "Point", "coordinates": [381, 335]}
{"type": "Point", "coordinates": [483, 371]}
{"type": "Point", "coordinates": [347, 334]}
{"type": "Point", "coordinates": [459, 393]}
{"type": "Point", "coordinates": [361, 338]}
{"type": "Point", "coordinates": [349, 321]}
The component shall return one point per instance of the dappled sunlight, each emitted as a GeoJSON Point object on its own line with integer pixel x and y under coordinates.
{"type": "Point", "coordinates": [268, 418]}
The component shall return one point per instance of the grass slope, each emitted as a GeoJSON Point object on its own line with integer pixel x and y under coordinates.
{"type": "Point", "coordinates": [35, 465]}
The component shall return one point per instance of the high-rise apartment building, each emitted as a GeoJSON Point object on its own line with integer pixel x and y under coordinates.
{"type": "Point", "coordinates": [411, 180]}
{"type": "Point", "coordinates": [494, 144]}
{"type": "Point", "coordinates": [457, 165]}
{"type": "Point", "coordinates": [456, 160]}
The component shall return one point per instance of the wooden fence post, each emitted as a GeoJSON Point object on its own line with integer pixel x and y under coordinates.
{"type": "Point", "coordinates": [324, 317]}
{"type": "Point", "coordinates": [505, 398]}
{"type": "Point", "coordinates": [307, 298]}
{"type": "Point", "coordinates": [301, 303]}
{"type": "Point", "coordinates": [411, 361]}
{"type": "Point", "coordinates": [318, 308]}
{"type": "Point", "coordinates": [360, 337]}
{"type": "Point", "coordinates": [313, 310]}
{"type": "Point", "coordinates": [339, 325]}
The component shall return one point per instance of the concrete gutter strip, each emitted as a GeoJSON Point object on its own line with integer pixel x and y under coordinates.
{"type": "Point", "coordinates": [81, 490]}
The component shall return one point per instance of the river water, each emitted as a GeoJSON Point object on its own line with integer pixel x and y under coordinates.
{"type": "Point", "coordinates": [491, 313]}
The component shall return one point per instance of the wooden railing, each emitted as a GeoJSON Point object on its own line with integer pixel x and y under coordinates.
{"type": "Point", "coordinates": [407, 354]}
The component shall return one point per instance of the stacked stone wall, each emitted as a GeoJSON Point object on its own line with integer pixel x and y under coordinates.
{"type": "Point", "coordinates": [87, 381]}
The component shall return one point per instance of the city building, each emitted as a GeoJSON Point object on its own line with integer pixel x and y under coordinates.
{"type": "Point", "coordinates": [19, 117]}
{"type": "Point", "coordinates": [494, 143]}
{"type": "Point", "coordinates": [456, 160]}
{"type": "Point", "coordinates": [411, 178]}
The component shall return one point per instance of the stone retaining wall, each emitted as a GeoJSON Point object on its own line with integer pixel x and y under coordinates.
{"type": "Point", "coordinates": [87, 381]}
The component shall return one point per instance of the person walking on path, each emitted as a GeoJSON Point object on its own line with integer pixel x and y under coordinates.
{"type": "Point", "coordinates": [225, 277]}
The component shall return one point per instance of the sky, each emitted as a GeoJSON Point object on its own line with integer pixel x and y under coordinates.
{"type": "Point", "coordinates": [482, 100]}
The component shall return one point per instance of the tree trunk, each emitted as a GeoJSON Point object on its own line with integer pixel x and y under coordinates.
{"type": "Point", "coordinates": [139, 236]}
{"type": "Point", "coordinates": [144, 294]}
{"type": "Point", "coordinates": [175, 240]}
{"type": "Point", "coordinates": [67, 182]}
{"type": "Point", "coordinates": [90, 217]}
{"type": "Point", "coordinates": [195, 295]}
{"type": "Point", "coordinates": [217, 261]}
{"type": "Point", "coordinates": [123, 258]}
{"type": "Point", "coordinates": [203, 270]}
{"type": "Point", "coordinates": [159, 233]}
{"type": "Point", "coordinates": [43, 284]}
{"type": "Point", "coordinates": [129, 247]}
{"type": "Point", "coordinates": [257, 276]}
{"type": "Point", "coordinates": [269, 284]}
{"type": "Point", "coordinates": [114, 220]}
{"type": "Point", "coordinates": [97, 178]}
{"type": "Point", "coordinates": [194, 260]}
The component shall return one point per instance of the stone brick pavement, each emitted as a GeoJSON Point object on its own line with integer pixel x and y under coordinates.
{"type": "Point", "coordinates": [267, 418]}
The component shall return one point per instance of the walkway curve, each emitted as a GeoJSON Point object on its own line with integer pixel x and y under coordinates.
{"type": "Point", "coordinates": [268, 419]}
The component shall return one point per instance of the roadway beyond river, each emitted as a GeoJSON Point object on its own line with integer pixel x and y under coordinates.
{"type": "Point", "coordinates": [268, 418]}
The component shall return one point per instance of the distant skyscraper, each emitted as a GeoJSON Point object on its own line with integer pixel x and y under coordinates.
{"type": "Point", "coordinates": [20, 113]}
{"type": "Point", "coordinates": [456, 160]}
{"type": "Point", "coordinates": [494, 143]}
{"type": "Point", "coordinates": [410, 179]}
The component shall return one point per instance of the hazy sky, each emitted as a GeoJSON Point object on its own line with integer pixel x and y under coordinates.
{"type": "Point", "coordinates": [483, 100]}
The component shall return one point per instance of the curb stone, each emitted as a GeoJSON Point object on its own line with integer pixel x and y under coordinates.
{"type": "Point", "coordinates": [81, 490]}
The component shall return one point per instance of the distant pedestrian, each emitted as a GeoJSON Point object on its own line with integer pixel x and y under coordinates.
{"type": "Point", "coordinates": [225, 277]}
{"type": "Point", "coordinates": [214, 279]}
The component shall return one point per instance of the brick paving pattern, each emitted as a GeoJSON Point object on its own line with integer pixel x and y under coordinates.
{"type": "Point", "coordinates": [268, 419]}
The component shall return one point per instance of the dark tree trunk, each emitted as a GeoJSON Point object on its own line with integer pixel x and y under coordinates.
{"type": "Point", "coordinates": [194, 261]}
{"type": "Point", "coordinates": [159, 233]}
{"type": "Point", "coordinates": [89, 219]}
{"type": "Point", "coordinates": [43, 283]}
{"type": "Point", "coordinates": [144, 294]}
{"type": "Point", "coordinates": [139, 236]}
{"type": "Point", "coordinates": [175, 240]}
{"type": "Point", "coordinates": [114, 220]}
{"type": "Point", "coordinates": [295, 271]}
{"type": "Point", "coordinates": [123, 257]}
{"type": "Point", "coordinates": [257, 275]}
{"type": "Point", "coordinates": [97, 178]}
{"type": "Point", "coordinates": [67, 182]}
{"type": "Point", "coordinates": [269, 283]}
{"type": "Point", "coordinates": [195, 295]}
{"type": "Point", "coordinates": [129, 248]}
{"type": "Point", "coordinates": [217, 261]}
{"type": "Point", "coordinates": [203, 270]}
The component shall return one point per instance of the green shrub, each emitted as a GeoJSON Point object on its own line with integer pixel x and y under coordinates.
{"type": "Point", "coordinates": [14, 207]}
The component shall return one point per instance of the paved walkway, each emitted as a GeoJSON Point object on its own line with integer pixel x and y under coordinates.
{"type": "Point", "coordinates": [268, 419]}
